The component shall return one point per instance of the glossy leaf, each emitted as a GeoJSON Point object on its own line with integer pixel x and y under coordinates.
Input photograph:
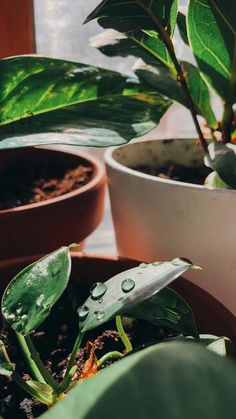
{"type": "Point", "coordinates": [170, 381]}
{"type": "Point", "coordinates": [50, 101]}
{"type": "Point", "coordinates": [166, 309]}
{"type": "Point", "coordinates": [212, 34]}
{"type": "Point", "coordinates": [222, 159]}
{"type": "Point", "coordinates": [126, 289]}
{"type": "Point", "coordinates": [31, 294]}
{"type": "Point", "coordinates": [140, 21]}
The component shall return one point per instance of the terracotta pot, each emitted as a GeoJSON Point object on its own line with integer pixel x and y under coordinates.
{"type": "Point", "coordinates": [160, 219]}
{"type": "Point", "coordinates": [41, 227]}
{"type": "Point", "coordinates": [211, 315]}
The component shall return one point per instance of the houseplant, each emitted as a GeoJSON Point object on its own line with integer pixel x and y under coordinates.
{"type": "Point", "coordinates": [158, 215]}
{"type": "Point", "coordinates": [38, 281]}
{"type": "Point", "coordinates": [46, 101]}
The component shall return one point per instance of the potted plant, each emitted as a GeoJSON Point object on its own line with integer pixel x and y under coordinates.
{"type": "Point", "coordinates": [159, 202]}
{"type": "Point", "coordinates": [47, 101]}
{"type": "Point", "coordinates": [157, 353]}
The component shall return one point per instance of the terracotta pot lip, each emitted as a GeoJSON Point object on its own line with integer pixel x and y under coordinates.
{"type": "Point", "coordinates": [114, 164]}
{"type": "Point", "coordinates": [98, 178]}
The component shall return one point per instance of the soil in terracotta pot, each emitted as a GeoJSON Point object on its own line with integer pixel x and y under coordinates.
{"type": "Point", "coordinates": [19, 186]}
{"type": "Point", "coordinates": [54, 341]}
{"type": "Point", "coordinates": [196, 175]}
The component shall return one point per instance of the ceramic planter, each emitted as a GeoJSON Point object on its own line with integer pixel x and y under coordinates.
{"type": "Point", "coordinates": [211, 315]}
{"type": "Point", "coordinates": [156, 218]}
{"type": "Point", "coordinates": [41, 227]}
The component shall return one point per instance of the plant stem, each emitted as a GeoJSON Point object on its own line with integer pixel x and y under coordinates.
{"type": "Point", "coordinates": [16, 377]}
{"type": "Point", "coordinates": [180, 72]}
{"type": "Point", "coordinates": [123, 336]}
{"type": "Point", "coordinates": [31, 363]}
{"type": "Point", "coordinates": [66, 381]}
{"type": "Point", "coordinates": [230, 99]}
{"type": "Point", "coordinates": [109, 357]}
{"type": "Point", "coordinates": [41, 367]}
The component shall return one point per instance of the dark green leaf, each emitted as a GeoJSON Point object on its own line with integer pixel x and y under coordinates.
{"type": "Point", "coordinates": [141, 21]}
{"type": "Point", "coordinates": [142, 283]}
{"type": "Point", "coordinates": [222, 159]}
{"type": "Point", "coordinates": [31, 294]}
{"type": "Point", "coordinates": [168, 381]}
{"type": "Point", "coordinates": [165, 83]}
{"type": "Point", "coordinates": [213, 180]}
{"type": "Point", "coordinates": [212, 34]}
{"type": "Point", "coordinates": [60, 102]}
{"type": "Point", "coordinates": [182, 26]}
{"type": "Point", "coordinates": [6, 369]}
{"type": "Point", "coordinates": [167, 309]}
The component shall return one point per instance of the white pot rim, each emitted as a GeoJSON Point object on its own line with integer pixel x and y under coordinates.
{"type": "Point", "coordinates": [114, 164]}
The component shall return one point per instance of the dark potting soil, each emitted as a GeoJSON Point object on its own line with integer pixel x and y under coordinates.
{"type": "Point", "coordinates": [54, 341]}
{"type": "Point", "coordinates": [18, 186]}
{"type": "Point", "coordinates": [196, 175]}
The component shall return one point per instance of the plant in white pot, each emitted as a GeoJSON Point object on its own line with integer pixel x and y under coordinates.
{"type": "Point", "coordinates": [46, 101]}
{"type": "Point", "coordinates": [166, 213]}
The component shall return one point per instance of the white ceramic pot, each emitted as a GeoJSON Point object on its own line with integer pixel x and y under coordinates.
{"type": "Point", "coordinates": [159, 219]}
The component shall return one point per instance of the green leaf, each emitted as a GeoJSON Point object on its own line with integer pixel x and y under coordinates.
{"type": "Point", "coordinates": [222, 159]}
{"type": "Point", "coordinates": [44, 392]}
{"type": "Point", "coordinates": [50, 101]}
{"type": "Point", "coordinates": [170, 381]}
{"type": "Point", "coordinates": [212, 34]}
{"type": "Point", "coordinates": [182, 26]}
{"type": "Point", "coordinates": [159, 77]}
{"type": "Point", "coordinates": [31, 294]}
{"type": "Point", "coordinates": [167, 309]}
{"type": "Point", "coordinates": [126, 289]}
{"type": "Point", "coordinates": [142, 21]}
{"type": "Point", "coordinates": [213, 180]}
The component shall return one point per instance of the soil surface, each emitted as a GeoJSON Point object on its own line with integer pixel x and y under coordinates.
{"type": "Point", "coordinates": [18, 186]}
{"type": "Point", "coordinates": [54, 341]}
{"type": "Point", "coordinates": [196, 175]}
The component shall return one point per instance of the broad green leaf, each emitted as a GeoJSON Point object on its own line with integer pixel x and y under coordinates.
{"type": "Point", "coordinates": [141, 22]}
{"type": "Point", "coordinates": [212, 34]}
{"type": "Point", "coordinates": [168, 381]}
{"type": "Point", "coordinates": [50, 101]}
{"type": "Point", "coordinates": [222, 159]}
{"type": "Point", "coordinates": [159, 77]}
{"type": "Point", "coordinates": [219, 344]}
{"type": "Point", "coordinates": [126, 289]}
{"type": "Point", "coordinates": [167, 309]}
{"type": "Point", "coordinates": [44, 391]}
{"type": "Point", "coordinates": [31, 294]}
{"type": "Point", "coordinates": [182, 26]}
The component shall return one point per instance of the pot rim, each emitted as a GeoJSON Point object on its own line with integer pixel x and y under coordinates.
{"type": "Point", "coordinates": [98, 178]}
{"type": "Point", "coordinates": [114, 164]}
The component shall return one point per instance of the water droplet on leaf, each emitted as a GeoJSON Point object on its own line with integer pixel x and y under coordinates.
{"type": "Point", "coordinates": [83, 312]}
{"type": "Point", "coordinates": [100, 315]}
{"type": "Point", "coordinates": [157, 263]}
{"type": "Point", "coordinates": [39, 300]}
{"type": "Point", "coordinates": [55, 269]}
{"type": "Point", "coordinates": [127, 285]}
{"type": "Point", "coordinates": [143, 265]}
{"type": "Point", "coordinates": [100, 300]}
{"type": "Point", "coordinates": [98, 290]}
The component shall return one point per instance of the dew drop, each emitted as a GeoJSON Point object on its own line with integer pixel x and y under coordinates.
{"type": "Point", "coordinates": [39, 300]}
{"type": "Point", "coordinates": [143, 265]}
{"type": "Point", "coordinates": [100, 315]}
{"type": "Point", "coordinates": [19, 310]}
{"type": "Point", "coordinates": [127, 285]}
{"type": "Point", "coordinates": [157, 263]}
{"type": "Point", "coordinates": [8, 292]}
{"type": "Point", "coordinates": [100, 300]}
{"type": "Point", "coordinates": [24, 318]}
{"type": "Point", "coordinates": [98, 290]}
{"type": "Point", "coordinates": [83, 312]}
